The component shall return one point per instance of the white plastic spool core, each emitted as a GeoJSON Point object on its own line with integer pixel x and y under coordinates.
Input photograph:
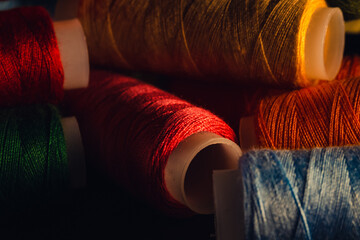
{"type": "Point", "coordinates": [188, 173]}
{"type": "Point", "coordinates": [73, 52]}
{"type": "Point", "coordinates": [75, 152]}
{"type": "Point", "coordinates": [324, 44]}
{"type": "Point", "coordinates": [229, 207]}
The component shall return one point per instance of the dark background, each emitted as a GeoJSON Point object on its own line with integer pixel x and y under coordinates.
{"type": "Point", "coordinates": [101, 211]}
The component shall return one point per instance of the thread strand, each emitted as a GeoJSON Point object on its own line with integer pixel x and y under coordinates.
{"type": "Point", "coordinates": [235, 41]}
{"type": "Point", "coordinates": [325, 115]}
{"type": "Point", "coordinates": [285, 189]}
{"type": "Point", "coordinates": [30, 68]}
{"type": "Point", "coordinates": [130, 129]}
{"type": "Point", "coordinates": [33, 163]}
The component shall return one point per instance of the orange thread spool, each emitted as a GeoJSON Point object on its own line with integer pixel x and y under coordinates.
{"type": "Point", "coordinates": [289, 119]}
{"type": "Point", "coordinates": [325, 115]}
{"type": "Point", "coordinates": [350, 67]}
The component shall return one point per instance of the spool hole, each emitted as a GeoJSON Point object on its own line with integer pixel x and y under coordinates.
{"type": "Point", "coordinates": [198, 184]}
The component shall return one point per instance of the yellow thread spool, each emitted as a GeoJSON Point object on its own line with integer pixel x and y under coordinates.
{"type": "Point", "coordinates": [268, 41]}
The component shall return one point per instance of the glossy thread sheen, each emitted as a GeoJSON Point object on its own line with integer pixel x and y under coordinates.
{"type": "Point", "coordinates": [304, 194]}
{"type": "Point", "coordinates": [325, 115]}
{"type": "Point", "coordinates": [31, 70]}
{"type": "Point", "coordinates": [33, 158]}
{"type": "Point", "coordinates": [238, 41]}
{"type": "Point", "coordinates": [350, 67]}
{"type": "Point", "coordinates": [129, 129]}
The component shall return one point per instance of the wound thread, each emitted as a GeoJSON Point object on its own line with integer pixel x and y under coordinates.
{"type": "Point", "coordinates": [304, 194]}
{"type": "Point", "coordinates": [350, 8]}
{"type": "Point", "coordinates": [130, 128]}
{"type": "Point", "coordinates": [33, 159]}
{"type": "Point", "coordinates": [325, 115]}
{"type": "Point", "coordinates": [235, 41]}
{"type": "Point", "coordinates": [227, 101]}
{"type": "Point", "coordinates": [31, 70]}
{"type": "Point", "coordinates": [350, 67]}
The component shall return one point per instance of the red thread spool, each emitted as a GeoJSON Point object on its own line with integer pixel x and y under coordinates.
{"type": "Point", "coordinates": [158, 146]}
{"type": "Point", "coordinates": [225, 100]}
{"type": "Point", "coordinates": [26, 67]}
{"type": "Point", "coordinates": [31, 64]}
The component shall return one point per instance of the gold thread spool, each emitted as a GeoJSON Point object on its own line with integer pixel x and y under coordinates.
{"type": "Point", "coordinates": [240, 41]}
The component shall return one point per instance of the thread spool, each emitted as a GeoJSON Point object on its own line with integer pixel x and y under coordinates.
{"type": "Point", "coordinates": [288, 43]}
{"type": "Point", "coordinates": [227, 101]}
{"type": "Point", "coordinates": [350, 67]}
{"type": "Point", "coordinates": [157, 146]}
{"type": "Point", "coordinates": [10, 4]}
{"type": "Point", "coordinates": [350, 8]}
{"type": "Point", "coordinates": [33, 173]}
{"type": "Point", "coordinates": [303, 194]}
{"type": "Point", "coordinates": [32, 70]}
{"type": "Point", "coordinates": [320, 116]}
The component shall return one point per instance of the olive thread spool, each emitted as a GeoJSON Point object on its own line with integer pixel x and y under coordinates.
{"type": "Point", "coordinates": [350, 8]}
{"type": "Point", "coordinates": [288, 44]}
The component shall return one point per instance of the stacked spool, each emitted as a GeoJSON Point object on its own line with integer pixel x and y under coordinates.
{"type": "Point", "coordinates": [247, 44]}
{"type": "Point", "coordinates": [351, 10]}
{"type": "Point", "coordinates": [215, 137]}
{"type": "Point", "coordinates": [302, 194]}
{"type": "Point", "coordinates": [41, 150]}
{"type": "Point", "coordinates": [206, 41]}
{"type": "Point", "coordinates": [179, 46]}
{"type": "Point", "coordinates": [160, 148]}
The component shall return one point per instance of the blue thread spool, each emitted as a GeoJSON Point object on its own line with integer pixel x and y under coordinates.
{"type": "Point", "coordinates": [305, 194]}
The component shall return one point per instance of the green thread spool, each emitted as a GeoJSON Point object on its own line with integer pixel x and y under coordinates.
{"type": "Point", "coordinates": [33, 156]}
{"type": "Point", "coordinates": [350, 8]}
